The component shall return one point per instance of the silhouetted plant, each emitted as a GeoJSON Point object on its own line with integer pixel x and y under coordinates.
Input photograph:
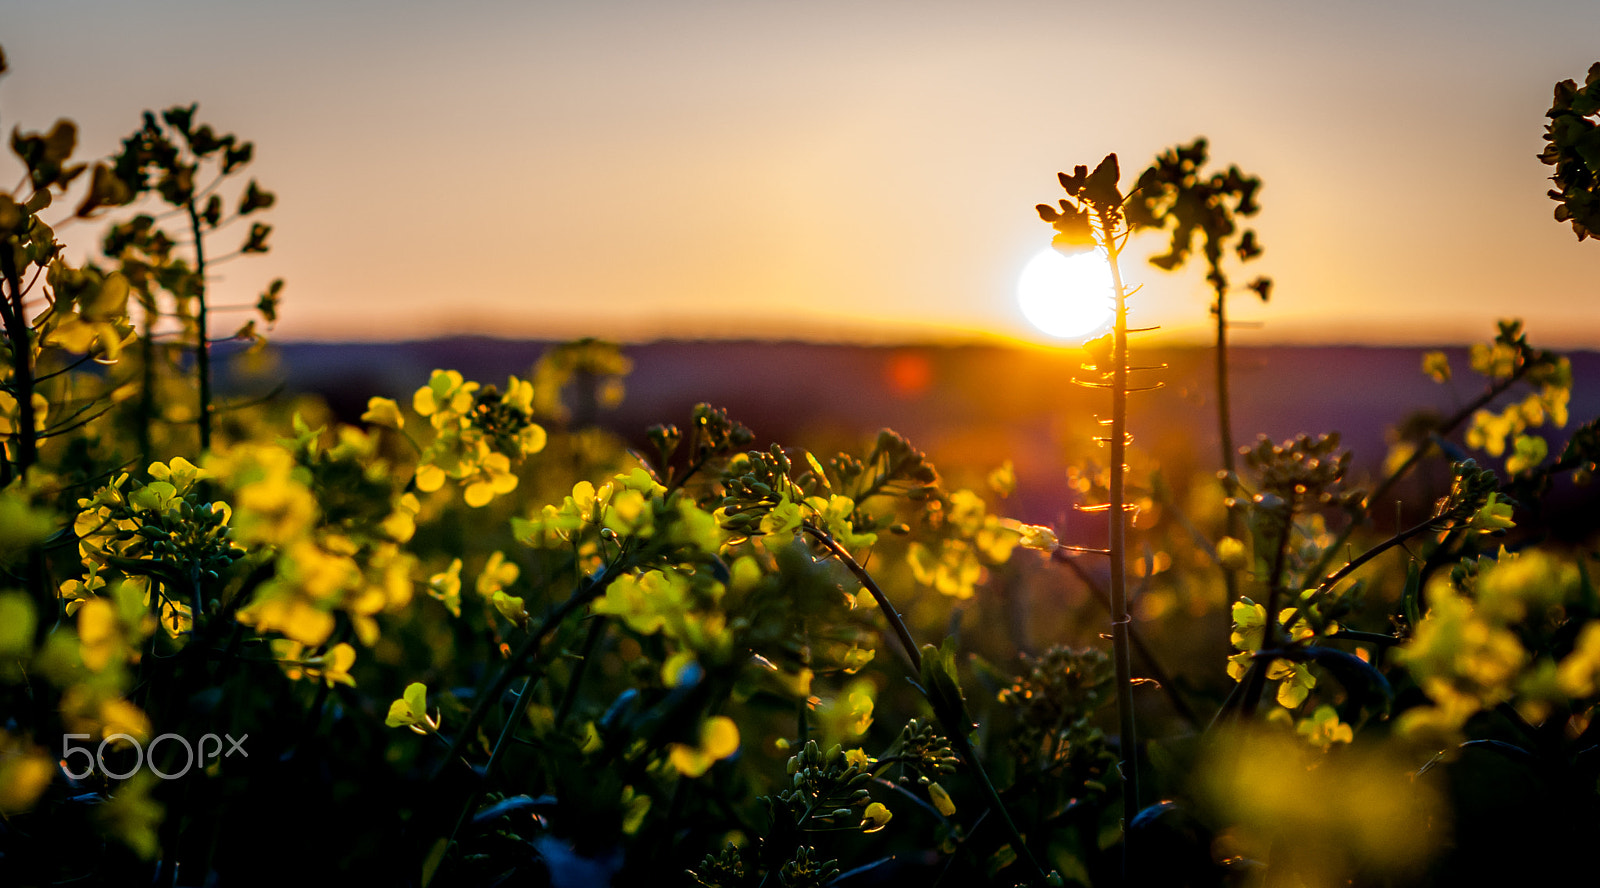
{"type": "Point", "coordinates": [1573, 148]}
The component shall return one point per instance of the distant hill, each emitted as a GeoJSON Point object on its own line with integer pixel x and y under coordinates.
{"type": "Point", "coordinates": [967, 406]}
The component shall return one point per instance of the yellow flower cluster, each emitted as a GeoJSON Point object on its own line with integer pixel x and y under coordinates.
{"type": "Point", "coordinates": [1296, 680]}
{"type": "Point", "coordinates": [89, 313]}
{"type": "Point", "coordinates": [323, 564]}
{"type": "Point", "coordinates": [630, 505]}
{"type": "Point", "coordinates": [159, 534]}
{"type": "Point", "coordinates": [1491, 430]}
{"type": "Point", "coordinates": [719, 739]}
{"type": "Point", "coordinates": [92, 669]}
{"type": "Point", "coordinates": [498, 573]}
{"type": "Point", "coordinates": [680, 605]}
{"type": "Point", "coordinates": [971, 539]}
{"type": "Point", "coordinates": [1467, 655]}
{"type": "Point", "coordinates": [411, 711]}
{"type": "Point", "coordinates": [9, 412]}
{"type": "Point", "coordinates": [479, 433]}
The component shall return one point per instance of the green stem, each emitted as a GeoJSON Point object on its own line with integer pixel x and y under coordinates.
{"type": "Point", "coordinates": [1162, 677]}
{"type": "Point", "coordinates": [908, 645]}
{"type": "Point", "coordinates": [1354, 565]}
{"type": "Point", "coordinates": [1257, 678]}
{"type": "Point", "coordinates": [1230, 576]}
{"type": "Point", "coordinates": [202, 355]}
{"type": "Point", "coordinates": [588, 589]}
{"type": "Point", "coordinates": [518, 711]}
{"type": "Point", "coordinates": [147, 385]}
{"type": "Point", "coordinates": [18, 333]}
{"type": "Point", "coordinates": [1373, 638]}
{"type": "Point", "coordinates": [956, 732]}
{"type": "Point", "coordinates": [1118, 518]}
{"type": "Point", "coordinates": [1444, 428]}
{"type": "Point", "coordinates": [597, 628]}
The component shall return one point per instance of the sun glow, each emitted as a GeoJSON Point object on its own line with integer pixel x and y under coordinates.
{"type": "Point", "coordinates": [1066, 296]}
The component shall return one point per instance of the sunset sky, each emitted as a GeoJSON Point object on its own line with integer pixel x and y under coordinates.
{"type": "Point", "coordinates": [847, 170]}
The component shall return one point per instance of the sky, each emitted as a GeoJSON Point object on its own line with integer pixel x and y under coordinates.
{"type": "Point", "coordinates": [842, 170]}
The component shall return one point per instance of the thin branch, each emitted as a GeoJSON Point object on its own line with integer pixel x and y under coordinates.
{"type": "Point", "coordinates": [908, 646]}
{"type": "Point", "coordinates": [589, 588]}
{"type": "Point", "coordinates": [1444, 428]}
{"type": "Point", "coordinates": [1151, 664]}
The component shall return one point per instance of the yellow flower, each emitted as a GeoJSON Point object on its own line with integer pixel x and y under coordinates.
{"type": "Point", "coordinates": [17, 622]}
{"type": "Point", "coordinates": [497, 574]}
{"type": "Point", "coordinates": [1239, 665]}
{"type": "Point", "coordinates": [1528, 452]}
{"type": "Point", "coordinates": [1437, 365]}
{"type": "Point", "coordinates": [1249, 625]}
{"type": "Point", "coordinates": [1036, 536]}
{"type": "Point", "coordinates": [132, 816]}
{"type": "Point", "coordinates": [647, 602]}
{"type": "Point", "coordinates": [25, 773]}
{"type": "Point", "coordinates": [429, 478]}
{"type": "Point", "coordinates": [1003, 480]}
{"type": "Point", "coordinates": [876, 817]}
{"type": "Point", "coordinates": [446, 586]}
{"type": "Point", "coordinates": [1577, 674]}
{"type": "Point", "coordinates": [834, 513]}
{"type": "Point", "coordinates": [334, 666]}
{"type": "Point", "coordinates": [9, 411]}
{"type": "Point", "coordinates": [495, 478]}
{"type": "Point", "coordinates": [634, 806]}
{"type": "Point", "coordinates": [181, 473]}
{"type": "Point", "coordinates": [1494, 515]}
{"type": "Point", "coordinates": [445, 398]}
{"type": "Point", "coordinates": [955, 571]}
{"type": "Point", "coordinates": [1231, 553]}
{"type": "Point", "coordinates": [847, 715]}
{"type": "Point", "coordinates": [99, 636]}
{"type": "Point", "coordinates": [1323, 728]}
{"type": "Point", "coordinates": [295, 617]}
{"type": "Point", "coordinates": [941, 799]}
{"type": "Point", "coordinates": [411, 710]}
{"type": "Point", "coordinates": [510, 607]}
{"type": "Point", "coordinates": [401, 525]}
{"type": "Point", "coordinates": [384, 412]}
{"type": "Point", "coordinates": [719, 738]}
{"type": "Point", "coordinates": [1297, 682]}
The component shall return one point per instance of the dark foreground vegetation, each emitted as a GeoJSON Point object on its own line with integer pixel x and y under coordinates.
{"type": "Point", "coordinates": [473, 638]}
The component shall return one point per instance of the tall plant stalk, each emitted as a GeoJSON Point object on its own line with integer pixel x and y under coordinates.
{"type": "Point", "coordinates": [1234, 522]}
{"type": "Point", "coordinates": [202, 353]}
{"type": "Point", "coordinates": [19, 337]}
{"type": "Point", "coordinates": [1118, 518]}
{"type": "Point", "coordinates": [1172, 194]}
{"type": "Point", "coordinates": [953, 724]}
{"type": "Point", "coordinates": [1095, 216]}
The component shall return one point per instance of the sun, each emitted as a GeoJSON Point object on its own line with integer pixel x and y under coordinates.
{"type": "Point", "coordinates": [1066, 296]}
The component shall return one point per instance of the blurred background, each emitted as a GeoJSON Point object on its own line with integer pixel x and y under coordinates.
{"type": "Point", "coordinates": [836, 171]}
{"type": "Point", "coordinates": [818, 215]}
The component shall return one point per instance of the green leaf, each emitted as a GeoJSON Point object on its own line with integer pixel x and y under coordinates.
{"type": "Point", "coordinates": [17, 622]}
{"type": "Point", "coordinates": [1411, 596]}
{"type": "Point", "coordinates": [941, 686]}
{"type": "Point", "coordinates": [430, 865]}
